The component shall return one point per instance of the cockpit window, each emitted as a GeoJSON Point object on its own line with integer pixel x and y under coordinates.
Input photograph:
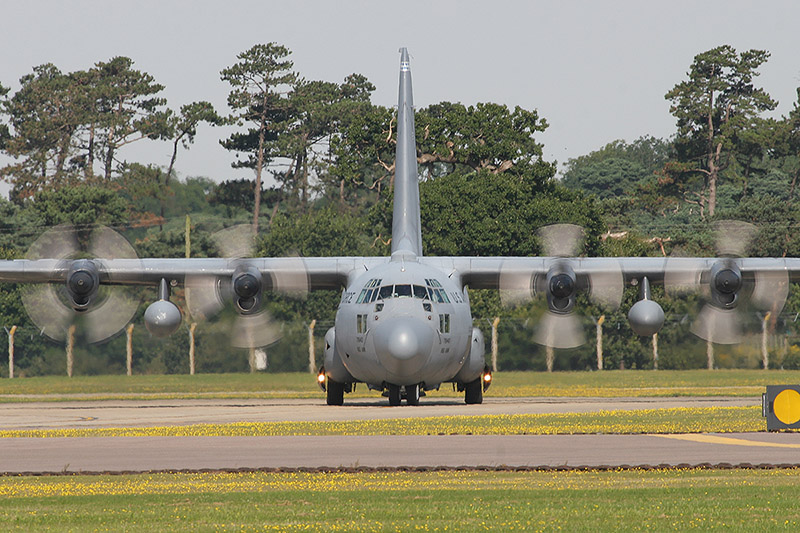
{"type": "Point", "coordinates": [386, 292]}
{"type": "Point", "coordinates": [405, 291]}
{"type": "Point", "coordinates": [402, 291]}
{"type": "Point", "coordinates": [435, 292]}
{"type": "Point", "coordinates": [420, 292]}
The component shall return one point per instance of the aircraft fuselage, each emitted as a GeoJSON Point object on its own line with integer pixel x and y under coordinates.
{"type": "Point", "coordinates": [403, 323]}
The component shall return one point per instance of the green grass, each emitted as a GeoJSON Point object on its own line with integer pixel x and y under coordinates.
{"type": "Point", "coordinates": [631, 500]}
{"type": "Point", "coordinates": [676, 420]}
{"type": "Point", "coordinates": [613, 383]}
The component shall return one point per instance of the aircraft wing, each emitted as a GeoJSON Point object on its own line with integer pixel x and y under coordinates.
{"type": "Point", "coordinates": [493, 272]}
{"type": "Point", "coordinates": [313, 272]}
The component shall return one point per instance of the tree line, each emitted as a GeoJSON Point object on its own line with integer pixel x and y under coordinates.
{"type": "Point", "coordinates": [485, 189]}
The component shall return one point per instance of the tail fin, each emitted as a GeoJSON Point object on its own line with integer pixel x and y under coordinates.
{"type": "Point", "coordinates": [406, 232]}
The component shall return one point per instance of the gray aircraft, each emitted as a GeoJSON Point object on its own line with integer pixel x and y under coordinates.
{"type": "Point", "coordinates": [404, 324]}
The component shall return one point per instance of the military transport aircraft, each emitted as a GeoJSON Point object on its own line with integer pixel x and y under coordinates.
{"type": "Point", "coordinates": [403, 325]}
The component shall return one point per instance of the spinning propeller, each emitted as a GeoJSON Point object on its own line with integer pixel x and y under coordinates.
{"type": "Point", "coordinates": [98, 311]}
{"type": "Point", "coordinates": [557, 280]}
{"type": "Point", "coordinates": [723, 285]}
{"type": "Point", "coordinates": [208, 295]}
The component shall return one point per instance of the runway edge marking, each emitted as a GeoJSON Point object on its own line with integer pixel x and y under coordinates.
{"type": "Point", "coordinates": [717, 439]}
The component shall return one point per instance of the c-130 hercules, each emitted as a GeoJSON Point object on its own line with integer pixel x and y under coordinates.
{"type": "Point", "coordinates": [404, 324]}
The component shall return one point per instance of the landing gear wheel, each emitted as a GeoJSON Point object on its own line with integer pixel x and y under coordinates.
{"type": "Point", "coordinates": [412, 394]}
{"type": "Point", "coordinates": [394, 395]}
{"type": "Point", "coordinates": [473, 392]}
{"type": "Point", "coordinates": [335, 393]}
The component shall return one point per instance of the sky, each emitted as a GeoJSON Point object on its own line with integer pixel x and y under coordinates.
{"type": "Point", "coordinates": [597, 71]}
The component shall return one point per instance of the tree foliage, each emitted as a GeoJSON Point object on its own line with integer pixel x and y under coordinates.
{"type": "Point", "coordinates": [485, 190]}
{"type": "Point", "coordinates": [718, 111]}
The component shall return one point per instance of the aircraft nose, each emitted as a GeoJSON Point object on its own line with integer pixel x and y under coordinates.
{"type": "Point", "coordinates": [403, 345]}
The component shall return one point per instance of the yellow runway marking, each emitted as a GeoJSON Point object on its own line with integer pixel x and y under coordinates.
{"type": "Point", "coordinates": [716, 439]}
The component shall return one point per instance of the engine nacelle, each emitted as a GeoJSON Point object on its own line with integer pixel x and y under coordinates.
{"type": "Point", "coordinates": [162, 318]}
{"type": "Point", "coordinates": [334, 368]}
{"type": "Point", "coordinates": [475, 362]}
{"type": "Point", "coordinates": [725, 280]}
{"type": "Point", "coordinates": [247, 285]}
{"type": "Point", "coordinates": [561, 287]}
{"type": "Point", "coordinates": [83, 281]}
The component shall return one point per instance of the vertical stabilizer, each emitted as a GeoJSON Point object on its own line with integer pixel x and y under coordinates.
{"type": "Point", "coordinates": [406, 233]}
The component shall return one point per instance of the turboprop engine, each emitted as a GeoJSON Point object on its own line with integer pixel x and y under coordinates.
{"type": "Point", "coordinates": [83, 281]}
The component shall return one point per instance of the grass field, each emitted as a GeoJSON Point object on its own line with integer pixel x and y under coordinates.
{"type": "Point", "coordinates": [632, 500]}
{"type": "Point", "coordinates": [626, 500]}
{"type": "Point", "coordinates": [614, 383]}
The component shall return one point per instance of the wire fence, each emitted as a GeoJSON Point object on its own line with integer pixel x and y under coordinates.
{"type": "Point", "coordinates": [204, 348]}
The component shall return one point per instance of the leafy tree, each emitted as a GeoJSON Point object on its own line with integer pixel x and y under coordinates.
{"type": "Point", "coordinates": [485, 136]}
{"type": "Point", "coordinates": [62, 123]}
{"type": "Point", "coordinates": [450, 138]}
{"type": "Point", "coordinates": [81, 206]}
{"type": "Point", "coordinates": [5, 134]}
{"type": "Point", "coordinates": [238, 194]}
{"type": "Point", "coordinates": [484, 214]}
{"type": "Point", "coordinates": [617, 168]}
{"type": "Point", "coordinates": [183, 127]}
{"type": "Point", "coordinates": [316, 111]}
{"type": "Point", "coordinates": [257, 80]}
{"type": "Point", "coordinates": [127, 109]}
{"type": "Point", "coordinates": [43, 116]}
{"type": "Point", "coordinates": [364, 151]}
{"type": "Point", "coordinates": [714, 108]}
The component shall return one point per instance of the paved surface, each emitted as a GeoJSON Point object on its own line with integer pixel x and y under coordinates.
{"type": "Point", "coordinates": [127, 413]}
{"type": "Point", "coordinates": [195, 453]}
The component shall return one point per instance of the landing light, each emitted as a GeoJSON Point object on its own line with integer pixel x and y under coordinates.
{"type": "Point", "coordinates": [321, 379]}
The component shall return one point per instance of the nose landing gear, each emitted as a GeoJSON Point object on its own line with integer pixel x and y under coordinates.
{"type": "Point", "coordinates": [397, 393]}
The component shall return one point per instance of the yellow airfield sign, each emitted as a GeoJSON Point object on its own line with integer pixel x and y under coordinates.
{"type": "Point", "coordinates": [780, 405]}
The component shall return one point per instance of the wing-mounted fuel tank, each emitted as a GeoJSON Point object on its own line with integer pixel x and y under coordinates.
{"type": "Point", "coordinates": [162, 318]}
{"type": "Point", "coordinates": [334, 368]}
{"type": "Point", "coordinates": [474, 363]}
{"type": "Point", "coordinates": [646, 317]}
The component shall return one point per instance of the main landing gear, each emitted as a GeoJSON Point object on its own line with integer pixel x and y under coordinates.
{"type": "Point", "coordinates": [473, 391]}
{"type": "Point", "coordinates": [334, 391]}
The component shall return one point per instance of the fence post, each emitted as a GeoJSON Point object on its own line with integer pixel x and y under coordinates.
{"type": "Point", "coordinates": [192, 327]}
{"type": "Point", "coordinates": [600, 341]}
{"type": "Point", "coordinates": [655, 351]}
{"type": "Point", "coordinates": [129, 350]}
{"type": "Point", "coordinates": [11, 350]}
{"type": "Point", "coordinates": [549, 357]}
{"type": "Point", "coordinates": [710, 354]}
{"type": "Point", "coordinates": [495, 322]}
{"type": "Point", "coordinates": [70, 347]}
{"type": "Point", "coordinates": [312, 363]}
{"type": "Point", "coordinates": [764, 352]}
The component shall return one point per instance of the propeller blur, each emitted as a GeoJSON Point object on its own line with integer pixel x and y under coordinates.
{"type": "Point", "coordinates": [403, 324]}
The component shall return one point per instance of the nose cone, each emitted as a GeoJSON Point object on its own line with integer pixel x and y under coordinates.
{"type": "Point", "coordinates": [403, 345]}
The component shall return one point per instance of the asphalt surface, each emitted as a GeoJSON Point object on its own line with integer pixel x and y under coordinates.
{"type": "Point", "coordinates": [114, 454]}
{"type": "Point", "coordinates": [130, 413]}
